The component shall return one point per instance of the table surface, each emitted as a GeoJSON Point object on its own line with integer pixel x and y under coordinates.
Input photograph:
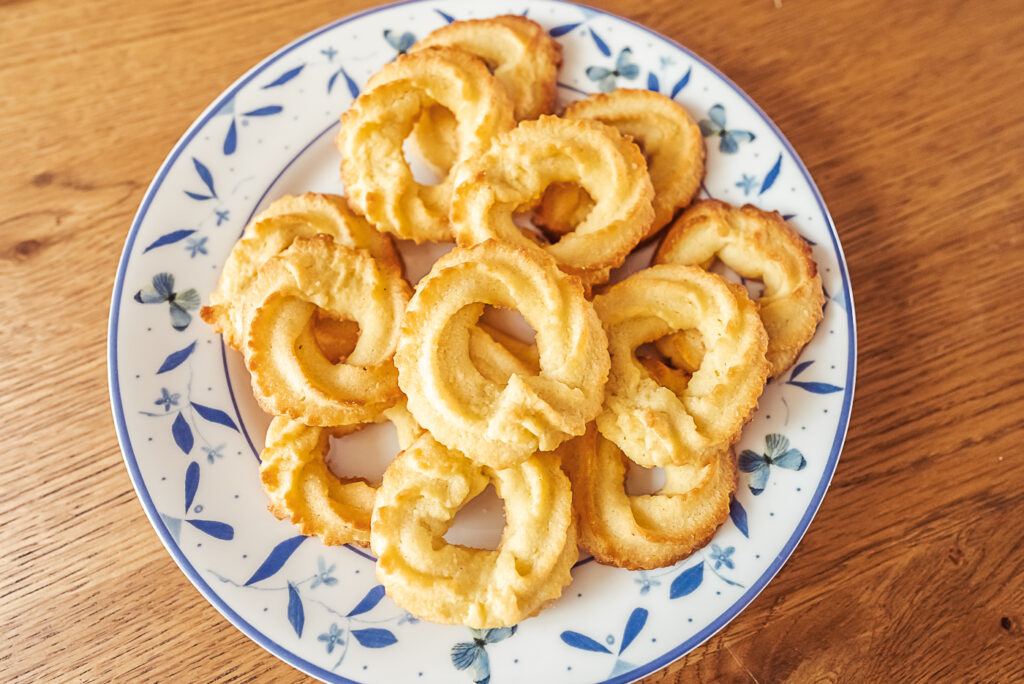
{"type": "Point", "coordinates": [910, 117]}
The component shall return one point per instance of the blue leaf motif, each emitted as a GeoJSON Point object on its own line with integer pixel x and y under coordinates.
{"type": "Point", "coordinates": [182, 433]}
{"type": "Point", "coordinates": [717, 115]}
{"type": "Point", "coordinates": [624, 64]}
{"type": "Point", "coordinates": [687, 581]}
{"type": "Point", "coordinates": [285, 77]}
{"type": "Point", "coordinates": [277, 558]}
{"type": "Point", "coordinates": [652, 82]}
{"type": "Point", "coordinates": [600, 44]}
{"type": "Point", "coordinates": [353, 89]}
{"type": "Point", "coordinates": [168, 239]}
{"type": "Point", "coordinates": [197, 196]}
{"type": "Point", "coordinates": [681, 83]}
{"type": "Point", "coordinates": [163, 284]}
{"type": "Point", "coordinates": [371, 599]}
{"type": "Point", "coordinates": [214, 416]}
{"type": "Point", "coordinates": [561, 30]}
{"type": "Point", "coordinates": [775, 444]}
{"type": "Point", "coordinates": [265, 111]}
{"type": "Point", "coordinates": [465, 653]}
{"type": "Point", "coordinates": [636, 622]}
{"type": "Point", "coordinates": [739, 517]}
{"type": "Point", "coordinates": [332, 79]}
{"type": "Point", "coordinates": [759, 480]}
{"type": "Point", "coordinates": [742, 136]}
{"type": "Point", "coordinates": [374, 637]}
{"type": "Point", "coordinates": [800, 367]}
{"type": "Point", "coordinates": [217, 530]}
{"type": "Point", "coordinates": [180, 317]}
{"type": "Point", "coordinates": [400, 43]}
{"type": "Point", "coordinates": [585, 643]}
{"type": "Point", "coordinates": [175, 359]}
{"type": "Point", "coordinates": [792, 459]}
{"type": "Point", "coordinates": [204, 175]}
{"type": "Point", "coordinates": [191, 483]}
{"type": "Point", "coordinates": [447, 17]}
{"type": "Point", "coordinates": [496, 634]}
{"type": "Point", "coordinates": [816, 387]}
{"type": "Point", "coordinates": [231, 139]}
{"type": "Point", "coordinates": [749, 461]}
{"type": "Point", "coordinates": [769, 180]}
{"type": "Point", "coordinates": [296, 615]}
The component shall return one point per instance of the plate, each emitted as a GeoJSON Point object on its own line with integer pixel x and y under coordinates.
{"type": "Point", "coordinates": [191, 433]}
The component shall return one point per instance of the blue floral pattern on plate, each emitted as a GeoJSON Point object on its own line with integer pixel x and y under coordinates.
{"type": "Point", "coordinates": [190, 431]}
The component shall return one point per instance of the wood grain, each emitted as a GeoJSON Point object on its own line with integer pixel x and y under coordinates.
{"type": "Point", "coordinates": [909, 116]}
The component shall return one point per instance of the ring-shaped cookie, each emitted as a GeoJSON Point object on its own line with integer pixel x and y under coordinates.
{"type": "Point", "coordinates": [523, 58]}
{"type": "Point", "coordinates": [423, 489]}
{"type": "Point", "coordinates": [501, 424]}
{"type": "Point", "coordinates": [755, 244]}
{"type": "Point", "coordinates": [301, 488]}
{"type": "Point", "coordinates": [514, 172]}
{"type": "Point", "coordinates": [669, 138]}
{"type": "Point", "coordinates": [270, 233]}
{"type": "Point", "coordinates": [642, 532]}
{"type": "Point", "coordinates": [652, 424]}
{"type": "Point", "coordinates": [290, 374]}
{"type": "Point", "coordinates": [378, 181]}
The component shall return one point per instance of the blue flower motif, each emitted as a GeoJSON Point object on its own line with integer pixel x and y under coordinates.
{"type": "Point", "coordinates": [213, 453]}
{"type": "Point", "coordinates": [646, 582]}
{"type": "Point", "coordinates": [722, 557]}
{"type": "Point", "coordinates": [167, 399]}
{"type": "Point", "coordinates": [777, 453]}
{"type": "Point", "coordinates": [401, 43]}
{"type": "Point", "coordinates": [222, 216]}
{"type": "Point", "coordinates": [747, 183]}
{"type": "Point", "coordinates": [715, 125]}
{"type": "Point", "coordinates": [195, 247]}
{"type": "Point", "coordinates": [180, 303]}
{"type": "Point", "coordinates": [323, 575]}
{"type": "Point", "coordinates": [666, 62]}
{"type": "Point", "coordinates": [332, 637]}
{"type": "Point", "coordinates": [624, 67]}
{"type": "Point", "coordinates": [329, 53]}
{"type": "Point", "coordinates": [472, 654]}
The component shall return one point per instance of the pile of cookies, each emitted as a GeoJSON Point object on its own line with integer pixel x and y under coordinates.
{"type": "Point", "coordinates": [662, 369]}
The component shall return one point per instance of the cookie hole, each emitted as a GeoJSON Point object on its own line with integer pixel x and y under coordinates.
{"type": "Point", "coordinates": [524, 220]}
{"type": "Point", "coordinates": [563, 206]}
{"type": "Point", "coordinates": [672, 359]}
{"type": "Point", "coordinates": [755, 286]}
{"type": "Point", "coordinates": [480, 523]}
{"type": "Point", "coordinates": [641, 480]}
{"type": "Point", "coordinates": [365, 454]}
{"type": "Point", "coordinates": [420, 258]}
{"type": "Point", "coordinates": [430, 148]}
{"type": "Point", "coordinates": [510, 329]}
{"type": "Point", "coordinates": [336, 337]}
{"type": "Point", "coordinates": [511, 322]}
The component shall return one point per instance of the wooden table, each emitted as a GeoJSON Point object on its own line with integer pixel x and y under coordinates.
{"type": "Point", "coordinates": [910, 117]}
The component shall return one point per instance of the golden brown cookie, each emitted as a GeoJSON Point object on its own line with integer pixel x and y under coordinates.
{"type": "Point", "coordinates": [755, 244]}
{"type": "Point", "coordinates": [650, 422]}
{"type": "Point", "coordinates": [378, 181]}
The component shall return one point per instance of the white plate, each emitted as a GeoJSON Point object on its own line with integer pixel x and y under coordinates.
{"type": "Point", "coordinates": [191, 432]}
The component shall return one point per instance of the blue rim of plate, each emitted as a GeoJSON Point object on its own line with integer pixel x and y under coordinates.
{"type": "Point", "coordinates": [304, 665]}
